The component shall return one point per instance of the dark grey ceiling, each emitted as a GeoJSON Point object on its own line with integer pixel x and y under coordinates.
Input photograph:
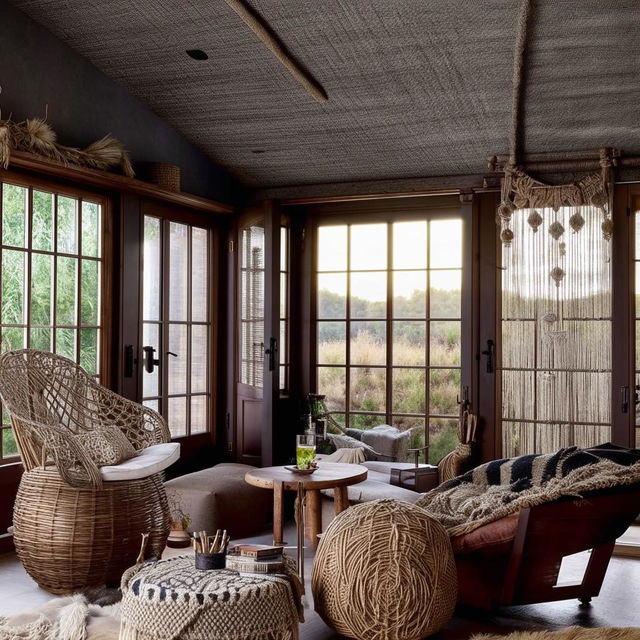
{"type": "Point", "coordinates": [416, 87]}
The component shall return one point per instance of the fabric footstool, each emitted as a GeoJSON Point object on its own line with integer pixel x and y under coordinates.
{"type": "Point", "coordinates": [172, 599]}
{"type": "Point", "coordinates": [219, 498]}
{"type": "Point", "coordinates": [385, 570]}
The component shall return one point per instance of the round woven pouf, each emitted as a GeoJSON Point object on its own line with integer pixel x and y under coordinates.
{"type": "Point", "coordinates": [384, 570]}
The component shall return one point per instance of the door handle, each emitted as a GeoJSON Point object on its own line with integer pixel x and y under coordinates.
{"type": "Point", "coordinates": [489, 353]}
{"type": "Point", "coordinates": [149, 361]}
{"type": "Point", "coordinates": [272, 352]}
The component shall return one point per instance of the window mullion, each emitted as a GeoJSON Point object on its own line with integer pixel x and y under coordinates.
{"type": "Point", "coordinates": [347, 335]}
{"type": "Point", "coordinates": [389, 333]}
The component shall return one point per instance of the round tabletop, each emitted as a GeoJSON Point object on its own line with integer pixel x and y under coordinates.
{"type": "Point", "coordinates": [328, 475]}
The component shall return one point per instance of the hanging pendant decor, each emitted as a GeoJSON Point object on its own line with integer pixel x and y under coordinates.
{"type": "Point", "coordinates": [556, 230]}
{"type": "Point", "coordinates": [534, 220]}
{"type": "Point", "coordinates": [557, 273]}
{"type": "Point", "coordinates": [576, 222]}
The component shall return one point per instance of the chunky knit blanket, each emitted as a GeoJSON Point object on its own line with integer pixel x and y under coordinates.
{"type": "Point", "coordinates": [503, 487]}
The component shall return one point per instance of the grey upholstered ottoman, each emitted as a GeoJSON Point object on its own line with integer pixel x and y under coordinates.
{"type": "Point", "coordinates": [219, 498]}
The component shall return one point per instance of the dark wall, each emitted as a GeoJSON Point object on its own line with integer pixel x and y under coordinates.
{"type": "Point", "coordinates": [38, 69]}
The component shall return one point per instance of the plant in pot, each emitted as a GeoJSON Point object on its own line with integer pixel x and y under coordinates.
{"type": "Point", "coordinates": [180, 521]}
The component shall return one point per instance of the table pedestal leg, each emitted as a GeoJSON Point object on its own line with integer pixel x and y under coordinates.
{"type": "Point", "coordinates": [340, 499]}
{"type": "Point", "coordinates": [313, 516]}
{"type": "Point", "coordinates": [278, 513]}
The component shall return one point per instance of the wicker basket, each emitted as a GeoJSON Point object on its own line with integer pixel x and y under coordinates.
{"type": "Point", "coordinates": [69, 538]}
{"type": "Point", "coordinates": [164, 175]}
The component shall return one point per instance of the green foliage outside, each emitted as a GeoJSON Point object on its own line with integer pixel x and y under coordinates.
{"type": "Point", "coordinates": [409, 386]}
{"type": "Point", "coordinates": [47, 314]}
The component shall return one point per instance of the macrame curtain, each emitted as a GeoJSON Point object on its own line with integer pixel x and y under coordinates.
{"type": "Point", "coordinates": [556, 299]}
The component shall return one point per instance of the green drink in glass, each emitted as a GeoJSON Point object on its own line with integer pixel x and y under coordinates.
{"type": "Point", "coordinates": [305, 451]}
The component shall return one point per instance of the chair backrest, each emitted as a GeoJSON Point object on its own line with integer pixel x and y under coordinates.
{"type": "Point", "coordinates": [48, 389]}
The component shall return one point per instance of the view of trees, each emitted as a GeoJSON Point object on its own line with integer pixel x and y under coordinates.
{"type": "Point", "coordinates": [438, 379]}
{"type": "Point", "coordinates": [62, 256]}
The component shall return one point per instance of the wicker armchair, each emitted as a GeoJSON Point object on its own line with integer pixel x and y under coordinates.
{"type": "Point", "coordinates": [76, 524]}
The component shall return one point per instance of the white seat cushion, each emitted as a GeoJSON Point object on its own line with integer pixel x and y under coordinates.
{"type": "Point", "coordinates": [151, 460]}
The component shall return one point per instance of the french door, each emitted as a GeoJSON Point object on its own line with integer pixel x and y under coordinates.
{"type": "Point", "coordinates": [261, 340]}
{"type": "Point", "coordinates": [169, 343]}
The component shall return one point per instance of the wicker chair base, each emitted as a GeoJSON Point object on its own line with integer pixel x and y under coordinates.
{"type": "Point", "coordinates": [69, 538]}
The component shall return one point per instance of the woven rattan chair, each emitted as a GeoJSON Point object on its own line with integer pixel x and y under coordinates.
{"type": "Point", "coordinates": [77, 524]}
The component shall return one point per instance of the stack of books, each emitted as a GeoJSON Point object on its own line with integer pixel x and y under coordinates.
{"type": "Point", "coordinates": [255, 558]}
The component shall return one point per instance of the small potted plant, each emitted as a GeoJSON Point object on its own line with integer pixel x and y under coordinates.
{"type": "Point", "coordinates": [180, 521]}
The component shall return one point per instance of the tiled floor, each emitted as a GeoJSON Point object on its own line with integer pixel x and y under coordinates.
{"type": "Point", "coordinates": [618, 604]}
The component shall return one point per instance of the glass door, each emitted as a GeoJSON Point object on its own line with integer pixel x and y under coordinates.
{"type": "Point", "coordinates": [176, 324]}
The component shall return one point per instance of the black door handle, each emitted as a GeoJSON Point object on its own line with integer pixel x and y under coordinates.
{"type": "Point", "coordinates": [489, 353]}
{"type": "Point", "coordinates": [272, 352]}
{"type": "Point", "coordinates": [149, 361]}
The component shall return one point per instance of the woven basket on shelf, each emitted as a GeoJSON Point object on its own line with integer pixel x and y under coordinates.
{"type": "Point", "coordinates": [165, 175]}
{"type": "Point", "coordinates": [385, 570]}
{"type": "Point", "coordinates": [69, 538]}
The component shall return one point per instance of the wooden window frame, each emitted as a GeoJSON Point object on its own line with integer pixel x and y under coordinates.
{"type": "Point", "coordinates": [105, 260]}
{"type": "Point", "coordinates": [430, 208]}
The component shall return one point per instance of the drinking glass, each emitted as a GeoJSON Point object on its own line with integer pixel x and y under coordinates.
{"type": "Point", "coordinates": [305, 450]}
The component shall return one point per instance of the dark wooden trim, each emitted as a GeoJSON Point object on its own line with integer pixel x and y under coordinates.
{"type": "Point", "coordinates": [368, 197]}
{"type": "Point", "coordinates": [113, 181]}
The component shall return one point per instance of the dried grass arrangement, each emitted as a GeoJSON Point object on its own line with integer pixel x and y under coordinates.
{"type": "Point", "coordinates": [36, 136]}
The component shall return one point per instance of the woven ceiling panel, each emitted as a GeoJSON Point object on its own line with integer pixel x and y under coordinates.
{"type": "Point", "coordinates": [416, 88]}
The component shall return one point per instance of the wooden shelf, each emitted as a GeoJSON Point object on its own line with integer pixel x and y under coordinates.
{"type": "Point", "coordinates": [113, 181]}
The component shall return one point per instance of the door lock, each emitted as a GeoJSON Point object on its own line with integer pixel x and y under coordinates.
{"type": "Point", "coordinates": [149, 361]}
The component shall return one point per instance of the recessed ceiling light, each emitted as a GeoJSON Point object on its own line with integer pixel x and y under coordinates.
{"type": "Point", "coordinates": [197, 54]}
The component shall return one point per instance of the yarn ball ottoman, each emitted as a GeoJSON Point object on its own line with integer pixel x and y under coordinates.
{"type": "Point", "coordinates": [385, 570]}
{"type": "Point", "coordinates": [219, 498]}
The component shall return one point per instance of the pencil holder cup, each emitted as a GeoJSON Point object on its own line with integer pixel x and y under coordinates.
{"type": "Point", "coordinates": [205, 561]}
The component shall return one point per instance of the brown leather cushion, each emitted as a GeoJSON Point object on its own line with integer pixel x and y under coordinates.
{"type": "Point", "coordinates": [492, 539]}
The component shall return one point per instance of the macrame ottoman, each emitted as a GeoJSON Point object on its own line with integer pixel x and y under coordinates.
{"type": "Point", "coordinates": [171, 599]}
{"type": "Point", "coordinates": [385, 570]}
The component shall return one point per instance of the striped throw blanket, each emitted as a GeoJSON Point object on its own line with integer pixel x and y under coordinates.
{"type": "Point", "coordinates": [503, 487]}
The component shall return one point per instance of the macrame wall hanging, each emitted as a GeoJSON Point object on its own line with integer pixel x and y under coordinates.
{"type": "Point", "coordinates": [556, 297]}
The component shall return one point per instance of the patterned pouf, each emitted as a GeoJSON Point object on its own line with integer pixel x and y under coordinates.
{"type": "Point", "coordinates": [384, 570]}
{"type": "Point", "coordinates": [172, 599]}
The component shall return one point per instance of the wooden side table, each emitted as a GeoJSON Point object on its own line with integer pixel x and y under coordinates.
{"type": "Point", "coordinates": [329, 475]}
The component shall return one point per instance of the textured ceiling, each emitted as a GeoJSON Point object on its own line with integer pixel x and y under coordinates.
{"type": "Point", "coordinates": [416, 87]}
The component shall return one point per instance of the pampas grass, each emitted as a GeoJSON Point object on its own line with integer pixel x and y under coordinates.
{"type": "Point", "coordinates": [36, 136]}
{"type": "Point", "coordinates": [570, 633]}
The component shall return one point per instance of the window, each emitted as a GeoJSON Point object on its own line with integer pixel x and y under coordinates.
{"type": "Point", "coordinates": [176, 323]}
{"type": "Point", "coordinates": [388, 326]}
{"type": "Point", "coordinates": [52, 277]}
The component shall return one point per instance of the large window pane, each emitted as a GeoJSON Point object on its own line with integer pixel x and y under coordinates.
{"type": "Point", "coordinates": [90, 229]}
{"type": "Point", "coordinates": [199, 414]}
{"type": "Point", "coordinates": [89, 350]}
{"type": "Point", "coordinates": [368, 246]}
{"type": "Point", "coordinates": [66, 343]}
{"type": "Point", "coordinates": [199, 358]}
{"type": "Point", "coordinates": [410, 245]}
{"type": "Point", "coordinates": [177, 416]}
{"type": "Point", "coordinates": [177, 364]}
{"type": "Point", "coordinates": [408, 390]}
{"type": "Point", "coordinates": [41, 288]}
{"type": "Point", "coordinates": [151, 299]}
{"type": "Point", "coordinates": [67, 225]}
{"type": "Point", "coordinates": [332, 344]}
{"type": "Point", "coordinates": [409, 342]}
{"type": "Point", "coordinates": [199, 275]}
{"type": "Point", "coordinates": [369, 295]}
{"type": "Point", "coordinates": [445, 246]}
{"type": "Point", "coordinates": [332, 248]}
{"type": "Point", "coordinates": [444, 343]}
{"type": "Point", "coordinates": [333, 383]}
{"type": "Point", "coordinates": [13, 285]}
{"type": "Point", "coordinates": [368, 389]}
{"type": "Point", "coordinates": [369, 343]}
{"type": "Point", "coordinates": [40, 338]}
{"type": "Point", "coordinates": [410, 294]}
{"type": "Point", "coordinates": [444, 389]}
{"type": "Point", "coordinates": [442, 438]}
{"type": "Point", "coordinates": [445, 293]}
{"type": "Point", "coordinates": [178, 271]}
{"type": "Point", "coordinates": [42, 221]}
{"type": "Point", "coordinates": [90, 293]}
{"type": "Point", "coordinates": [332, 295]}
{"type": "Point", "coordinates": [66, 290]}
{"type": "Point", "coordinates": [14, 215]}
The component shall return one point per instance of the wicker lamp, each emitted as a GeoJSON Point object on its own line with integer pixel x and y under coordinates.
{"type": "Point", "coordinates": [384, 570]}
